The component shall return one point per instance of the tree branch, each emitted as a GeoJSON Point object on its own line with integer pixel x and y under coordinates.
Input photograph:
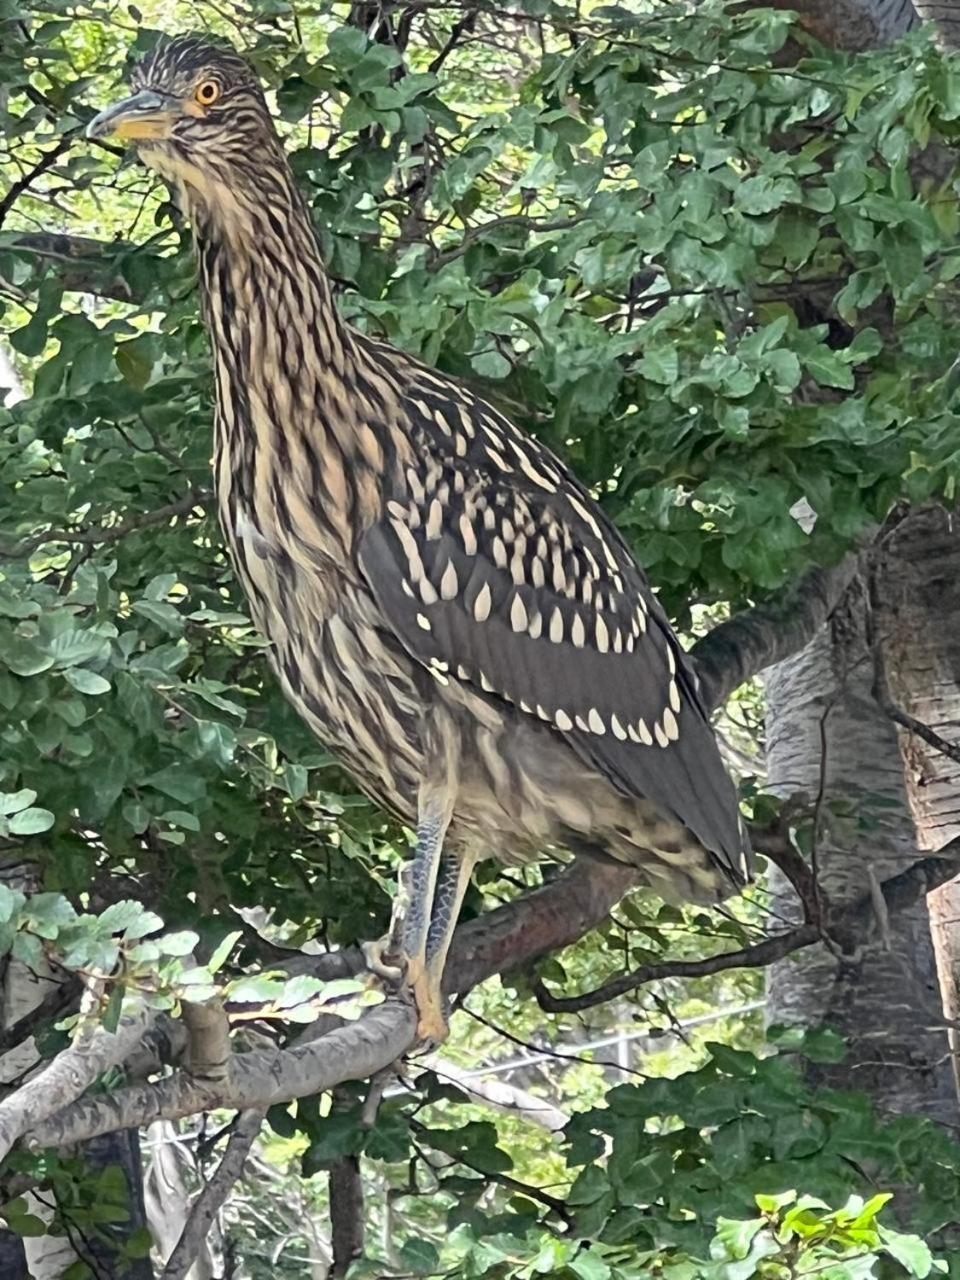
{"type": "Point", "coordinates": [748, 643]}
{"type": "Point", "coordinates": [85, 265]}
{"type": "Point", "coordinates": [517, 933]}
{"type": "Point", "coordinates": [843, 925]}
{"type": "Point", "coordinates": [99, 534]}
{"type": "Point", "coordinates": [210, 1200]}
{"type": "Point", "coordinates": [513, 935]}
{"type": "Point", "coordinates": [22, 184]}
{"type": "Point", "coordinates": [346, 1214]}
{"type": "Point", "coordinates": [93, 1051]}
{"type": "Point", "coordinates": [757, 956]}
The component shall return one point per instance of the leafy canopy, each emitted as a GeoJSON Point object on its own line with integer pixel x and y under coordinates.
{"type": "Point", "coordinates": [719, 285]}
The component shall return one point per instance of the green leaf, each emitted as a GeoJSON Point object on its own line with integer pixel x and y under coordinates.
{"type": "Point", "coordinates": [660, 364]}
{"type": "Point", "coordinates": [161, 614]}
{"type": "Point", "coordinates": [827, 368]}
{"type": "Point", "coordinates": [86, 681]}
{"type": "Point", "coordinates": [14, 801]}
{"type": "Point", "coordinates": [733, 1238]}
{"type": "Point", "coordinates": [222, 950]}
{"type": "Point", "coordinates": [22, 656]}
{"type": "Point", "coordinates": [178, 944]}
{"type": "Point", "coordinates": [30, 822]}
{"type": "Point", "coordinates": [11, 900]}
{"type": "Point", "coordinates": [910, 1251]}
{"type": "Point", "coordinates": [135, 361]}
{"type": "Point", "coordinates": [419, 1256]}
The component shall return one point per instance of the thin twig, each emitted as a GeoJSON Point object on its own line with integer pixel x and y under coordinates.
{"type": "Point", "coordinates": [100, 534]}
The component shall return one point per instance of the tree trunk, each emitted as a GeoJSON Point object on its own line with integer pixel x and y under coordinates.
{"type": "Point", "coordinates": [828, 737]}
{"type": "Point", "coordinates": [916, 606]}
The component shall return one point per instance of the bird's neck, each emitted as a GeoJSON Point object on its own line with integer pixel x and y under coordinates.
{"type": "Point", "coordinates": [267, 296]}
{"type": "Point", "coordinates": [293, 387]}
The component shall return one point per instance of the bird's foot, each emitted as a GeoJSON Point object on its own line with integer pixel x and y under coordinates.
{"type": "Point", "coordinates": [410, 978]}
{"type": "Point", "coordinates": [424, 987]}
{"type": "Point", "coordinates": [377, 955]}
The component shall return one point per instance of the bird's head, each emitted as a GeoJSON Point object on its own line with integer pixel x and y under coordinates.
{"type": "Point", "coordinates": [196, 114]}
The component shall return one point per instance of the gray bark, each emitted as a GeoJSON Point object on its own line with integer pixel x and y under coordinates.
{"type": "Point", "coordinates": [828, 737]}
{"type": "Point", "coordinates": [916, 608]}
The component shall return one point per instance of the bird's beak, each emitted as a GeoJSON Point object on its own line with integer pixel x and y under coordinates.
{"type": "Point", "coordinates": [146, 115]}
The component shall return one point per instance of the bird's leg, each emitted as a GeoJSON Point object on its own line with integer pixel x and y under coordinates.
{"type": "Point", "coordinates": [432, 819]}
{"type": "Point", "coordinates": [451, 887]}
{"type": "Point", "coordinates": [379, 953]}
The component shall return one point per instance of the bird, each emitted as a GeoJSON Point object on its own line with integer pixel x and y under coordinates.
{"type": "Point", "coordinates": [448, 608]}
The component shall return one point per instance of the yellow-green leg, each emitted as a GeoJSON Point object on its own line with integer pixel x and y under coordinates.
{"type": "Point", "coordinates": [454, 877]}
{"type": "Point", "coordinates": [421, 886]}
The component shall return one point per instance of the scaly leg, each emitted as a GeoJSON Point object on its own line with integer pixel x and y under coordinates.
{"type": "Point", "coordinates": [451, 888]}
{"type": "Point", "coordinates": [432, 820]}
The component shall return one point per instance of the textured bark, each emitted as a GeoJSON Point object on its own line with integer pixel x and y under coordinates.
{"type": "Point", "coordinates": [916, 604]}
{"type": "Point", "coordinates": [945, 15]}
{"type": "Point", "coordinates": [190, 1255]}
{"type": "Point", "coordinates": [854, 25]}
{"type": "Point", "coordinates": [828, 737]}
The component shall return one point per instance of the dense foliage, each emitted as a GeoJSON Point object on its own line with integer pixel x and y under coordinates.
{"type": "Point", "coordinates": [717, 281]}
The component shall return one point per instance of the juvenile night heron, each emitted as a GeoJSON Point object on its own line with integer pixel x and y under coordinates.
{"type": "Point", "coordinates": [448, 608]}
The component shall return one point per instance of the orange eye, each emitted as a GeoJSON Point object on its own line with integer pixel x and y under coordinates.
{"type": "Point", "coordinates": [207, 93]}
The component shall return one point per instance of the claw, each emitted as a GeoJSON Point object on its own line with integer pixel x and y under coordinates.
{"type": "Point", "coordinates": [374, 952]}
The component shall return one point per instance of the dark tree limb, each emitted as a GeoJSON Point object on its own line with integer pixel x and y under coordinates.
{"type": "Point", "coordinates": [210, 1200]}
{"type": "Point", "coordinates": [844, 926]}
{"type": "Point", "coordinates": [748, 643]}
{"type": "Point", "coordinates": [346, 1214]}
{"type": "Point", "coordinates": [757, 956]}
{"type": "Point", "coordinates": [22, 184]}
{"type": "Point", "coordinates": [84, 265]}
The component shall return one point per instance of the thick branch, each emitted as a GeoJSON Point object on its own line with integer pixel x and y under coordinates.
{"type": "Point", "coordinates": [256, 1080]}
{"type": "Point", "coordinates": [758, 638]}
{"type": "Point", "coordinates": [513, 935]}
{"type": "Point", "coordinates": [521, 931]}
{"type": "Point", "coordinates": [93, 1051]}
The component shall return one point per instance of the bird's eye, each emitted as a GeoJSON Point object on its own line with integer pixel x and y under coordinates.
{"type": "Point", "coordinates": [207, 92]}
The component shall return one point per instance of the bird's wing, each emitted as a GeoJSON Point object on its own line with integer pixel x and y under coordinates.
{"type": "Point", "coordinates": [531, 596]}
